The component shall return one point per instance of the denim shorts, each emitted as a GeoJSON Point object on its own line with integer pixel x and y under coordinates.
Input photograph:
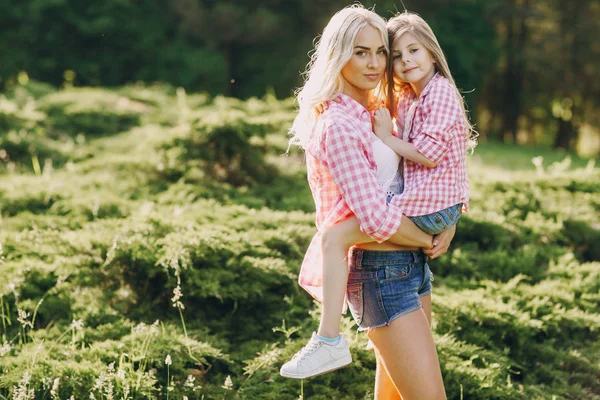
{"type": "Point", "coordinates": [436, 222]}
{"type": "Point", "coordinates": [385, 285]}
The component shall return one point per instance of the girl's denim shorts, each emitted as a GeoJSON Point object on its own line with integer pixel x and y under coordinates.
{"type": "Point", "coordinates": [385, 285]}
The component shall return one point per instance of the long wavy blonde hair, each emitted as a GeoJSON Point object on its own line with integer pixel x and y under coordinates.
{"type": "Point", "coordinates": [323, 79]}
{"type": "Point", "coordinates": [410, 22]}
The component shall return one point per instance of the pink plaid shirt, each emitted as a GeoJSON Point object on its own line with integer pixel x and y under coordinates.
{"type": "Point", "coordinates": [436, 127]}
{"type": "Point", "coordinates": [342, 178]}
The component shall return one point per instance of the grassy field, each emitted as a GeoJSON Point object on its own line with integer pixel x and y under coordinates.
{"type": "Point", "coordinates": [150, 243]}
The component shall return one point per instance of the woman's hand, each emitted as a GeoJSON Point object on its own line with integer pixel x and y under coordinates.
{"type": "Point", "coordinates": [441, 242]}
{"type": "Point", "coordinates": [382, 123]}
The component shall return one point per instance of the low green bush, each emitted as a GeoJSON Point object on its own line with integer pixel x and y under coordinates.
{"type": "Point", "coordinates": [182, 240]}
{"type": "Point", "coordinates": [91, 112]}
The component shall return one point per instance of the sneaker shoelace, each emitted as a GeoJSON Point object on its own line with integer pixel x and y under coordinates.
{"type": "Point", "coordinates": [307, 350]}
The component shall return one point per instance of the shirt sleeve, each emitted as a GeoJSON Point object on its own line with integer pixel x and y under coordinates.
{"type": "Point", "coordinates": [435, 134]}
{"type": "Point", "coordinates": [351, 172]}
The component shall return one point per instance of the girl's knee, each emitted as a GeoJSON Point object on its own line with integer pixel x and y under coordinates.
{"type": "Point", "coordinates": [332, 240]}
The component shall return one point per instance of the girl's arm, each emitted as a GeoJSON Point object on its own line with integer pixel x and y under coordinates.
{"type": "Point", "coordinates": [383, 126]}
{"type": "Point", "coordinates": [347, 233]}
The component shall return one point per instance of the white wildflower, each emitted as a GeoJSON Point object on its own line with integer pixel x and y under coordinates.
{"type": "Point", "coordinates": [54, 390]}
{"type": "Point", "coordinates": [22, 392]}
{"type": "Point", "coordinates": [5, 349]}
{"type": "Point", "coordinates": [121, 373]}
{"type": "Point", "coordinates": [140, 327]}
{"type": "Point", "coordinates": [184, 398]}
{"type": "Point", "coordinates": [177, 294]}
{"type": "Point", "coordinates": [77, 325]}
{"type": "Point", "coordinates": [168, 360]}
{"type": "Point", "coordinates": [189, 382]}
{"type": "Point", "coordinates": [23, 318]}
{"type": "Point", "coordinates": [92, 397]}
{"type": "Point", "coordinates": [100, 381]}
{"type": "Point", "coordinates": [109, 389]}
{"type": "Point", "coordinates": [228, 383]}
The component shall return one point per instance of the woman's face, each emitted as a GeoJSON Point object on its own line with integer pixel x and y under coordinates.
{"type": "Point", "coordinates": [365, 68]}
{"type": "Point", "coordinates": [412, 62]}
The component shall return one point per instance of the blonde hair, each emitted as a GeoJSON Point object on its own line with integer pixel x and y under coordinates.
{"type": "Point", "coordinates": [323, 79]}
{"type": "Point", "coordinates": [410, 22]}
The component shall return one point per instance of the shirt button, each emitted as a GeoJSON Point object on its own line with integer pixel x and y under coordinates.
{"type": "Point", "coordinates": [438, 220]}
{"type": "Point", "coordinates": [381, 282]}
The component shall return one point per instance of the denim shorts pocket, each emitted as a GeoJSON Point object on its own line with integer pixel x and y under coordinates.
{"type": "Point", "coordinates": [452, 214]}
{"type": "Point", "coordinates": [354, 292]}
{"type": "Point", "coordinates": [398, 271]}
{"type": "Point", "coordinates": [438, 221]}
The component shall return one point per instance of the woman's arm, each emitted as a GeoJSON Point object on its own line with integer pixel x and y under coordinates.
{"type": "Point", "coordinates": [345, 156]}
{"type": "Point", "coordinates": [383, 126]}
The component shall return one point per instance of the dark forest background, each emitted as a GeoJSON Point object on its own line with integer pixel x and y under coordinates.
{"type": "Point", "coordinates": [528, 67]}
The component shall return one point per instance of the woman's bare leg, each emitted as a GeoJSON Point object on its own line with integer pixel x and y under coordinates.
{"type": "Point", "coordinates": [426, 303]}
{"type": "Point", "coordinates": [411, 364]}
{"type": "Point", "coordinates": [384, 387]}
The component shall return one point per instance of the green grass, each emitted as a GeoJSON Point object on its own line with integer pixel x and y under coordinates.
{"type": "Point", "coordinates": [519, 157]}
{"type": "Point", "coordinates": [181, 237]}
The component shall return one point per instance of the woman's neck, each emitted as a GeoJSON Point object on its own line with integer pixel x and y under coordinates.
{"type": "Point", "coordinates": [361, 96]}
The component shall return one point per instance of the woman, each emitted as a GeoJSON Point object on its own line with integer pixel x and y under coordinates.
{"type": "Point", "coordinates": [348, 64]}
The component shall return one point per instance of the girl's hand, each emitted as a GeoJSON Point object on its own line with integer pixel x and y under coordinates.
{"type": "Point", "coordinates": [382, 123]}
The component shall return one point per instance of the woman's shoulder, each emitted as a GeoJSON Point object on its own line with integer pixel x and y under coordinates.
{"type": "Point", "coordinates": [343, 115]}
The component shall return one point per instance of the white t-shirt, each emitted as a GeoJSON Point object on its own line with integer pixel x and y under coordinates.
{"type": "Point", "coordinates": [387, 163]}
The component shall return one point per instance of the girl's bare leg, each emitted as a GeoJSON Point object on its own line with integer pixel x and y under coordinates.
{"type": "Point", "coordinates": [335, 243]}
{"type": "Point", "coordinates": [384, 387]}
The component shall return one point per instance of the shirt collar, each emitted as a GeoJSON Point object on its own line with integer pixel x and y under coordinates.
{"type": "Point", "coordinates": [351, 106]}
{"type": "Point", "coordinates": [429, 85]}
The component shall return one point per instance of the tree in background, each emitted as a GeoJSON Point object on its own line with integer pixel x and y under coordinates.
{"type": "Point", "coordinates": [526, 66]}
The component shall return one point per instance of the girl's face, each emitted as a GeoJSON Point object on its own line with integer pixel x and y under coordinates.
{"type": "Point", "coordinates": [365, 68]}
{"type": "Point", "coordinates": [412, 62]}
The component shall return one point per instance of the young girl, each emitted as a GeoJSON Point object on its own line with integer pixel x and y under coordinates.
{"type": "Point", "coordinates": [435, 134]}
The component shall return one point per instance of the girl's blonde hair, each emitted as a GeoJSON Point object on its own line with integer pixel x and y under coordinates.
{"type": "Point", "coordinates": [410, 22]}
{"type": "Point", "coordinates": [323, 79]}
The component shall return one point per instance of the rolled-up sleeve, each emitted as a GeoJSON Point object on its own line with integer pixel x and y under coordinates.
{"type": "Point", "coordinates": [346, 159]}
{"type": "Point", "coordinates": [435, 134]}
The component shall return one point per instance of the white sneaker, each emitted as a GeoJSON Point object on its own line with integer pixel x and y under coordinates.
{"type": "Point", "coordinates": [316, 358]}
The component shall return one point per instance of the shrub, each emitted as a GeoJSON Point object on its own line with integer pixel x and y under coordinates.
{"type": "Point", "coordinates": [91, 112]}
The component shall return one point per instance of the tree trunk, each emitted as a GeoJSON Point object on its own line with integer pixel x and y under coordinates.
{"type": "Point", "coordinates": [565, 134]}
{"type": "Point", "coordinates": [515, 68]}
